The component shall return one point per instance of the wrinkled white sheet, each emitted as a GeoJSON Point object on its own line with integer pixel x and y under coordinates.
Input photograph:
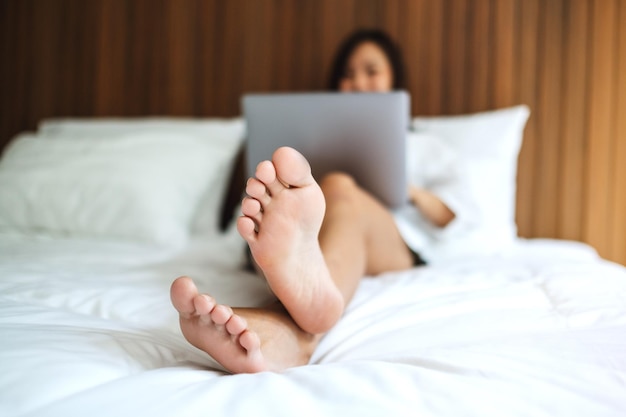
{"type": "Point", "coordinates": [86, 328]}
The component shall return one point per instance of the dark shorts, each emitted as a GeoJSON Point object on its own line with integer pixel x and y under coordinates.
{"type": "Point", "coordinates": [417, 259]}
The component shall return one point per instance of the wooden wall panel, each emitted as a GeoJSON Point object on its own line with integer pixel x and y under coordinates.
{"type": "Point", "coordinates": [432, 22]}
{"type": "Point", "coordinates": [503, 83]}
{"type": "Point", "coordinates": [454, 66]}
{"type": "Point", "coordinates": [618, 210]}
{"type": "Point", "coordinates": [479, 81]}
{"type": "Point", "coordinates": [548, 116]}
{"type": "Point", "coordinates": [415, 54]}
{"type": "Point", "coordinates": [181, 47]}
{"type": "Point", "coordinates": [110, 49]}
{"type": "Point", "coordinates": [528, 62]}
{"type": "Point", "coordinates": [572, 168]}
{"type": "Point", "coordinates": [204, 97]}
{"type": "Point", "coordinates": [565, 59]}
{"type": "Point", "coordinates": [601, 106]}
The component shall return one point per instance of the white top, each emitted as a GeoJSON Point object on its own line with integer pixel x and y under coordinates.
{"type": "Point", "coordinates": [433, 166]}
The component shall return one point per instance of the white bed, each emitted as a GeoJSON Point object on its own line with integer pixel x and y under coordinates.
{"type": "Point", "coordinates": [534, 328]}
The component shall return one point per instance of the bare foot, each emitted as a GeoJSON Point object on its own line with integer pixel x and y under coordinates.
{"type": "Point", "coordinates": [282, 216]}
{"type": "Point", "coordinates": [241, 340]}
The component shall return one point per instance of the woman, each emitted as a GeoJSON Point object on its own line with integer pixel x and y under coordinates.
{"type": "Point", "coordinates": [369, 61]}
{"type": "Point", "coordinates": [312, 242]}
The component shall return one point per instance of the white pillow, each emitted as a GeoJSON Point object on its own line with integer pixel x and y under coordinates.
{"type": "Point", "coordinates": [225, 134]}
{"type": "Point", "coordinates": [487, 145]}
{"type": "Point", "coordinates": [106, 126]}
{"type": "Point", "coordinates": [139, 186]}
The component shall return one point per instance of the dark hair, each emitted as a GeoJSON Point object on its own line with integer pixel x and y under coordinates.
{"type": "Point", "coordinates": [382, 40]}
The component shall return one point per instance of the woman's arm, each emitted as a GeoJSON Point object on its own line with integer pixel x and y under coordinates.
{"type": "Point", "coordinates": [431, 206]}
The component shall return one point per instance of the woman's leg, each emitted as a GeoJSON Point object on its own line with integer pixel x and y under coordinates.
{"type": "Point", "coordinates": [358, 236]}
{"type": "Point", "coordinates": [313, 271]}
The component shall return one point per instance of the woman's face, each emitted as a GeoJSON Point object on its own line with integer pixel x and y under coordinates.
{"type": "Point", "coordinates": [368, 70]}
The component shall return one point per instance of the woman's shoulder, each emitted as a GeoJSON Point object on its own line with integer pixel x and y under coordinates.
{"type": "Point", "coordinates": [427, 142]}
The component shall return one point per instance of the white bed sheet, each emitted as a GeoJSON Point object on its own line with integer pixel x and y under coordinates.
{"type": "Point", "coordinates": [86, 328]}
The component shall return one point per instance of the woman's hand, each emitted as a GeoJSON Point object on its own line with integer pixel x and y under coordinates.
{"type": "Point", "coordinates": [431, 206]}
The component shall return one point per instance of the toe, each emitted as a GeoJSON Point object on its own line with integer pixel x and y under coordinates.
{"type": "Point", "coordinates": [246, 228]}
{"type": "Point", "coordinates": [292, 167]}
{"type": "Point", "coordinates": [182, 293]}
{"type": "Point", "coordinates": [221, 314]}
{"type": "Point", "coordinates": [257, 190]}
{"type": "Point", "coordinates": [251, 208]}
{"type": "Point", "coordinates": [236, 325]}
{"type": "Point", "coordinates": [266, 173]}
{"type": "Point", "coordinates": [249, 340]}
{"type": "Point", "coordinates": [204, 304]}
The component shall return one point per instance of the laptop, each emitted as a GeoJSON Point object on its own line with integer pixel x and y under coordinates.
{"type": "Point", "coordinates": [362, 134]}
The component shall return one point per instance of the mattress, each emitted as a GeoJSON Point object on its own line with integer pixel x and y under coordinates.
{"type": "Point", "coordinates": [87, 328]}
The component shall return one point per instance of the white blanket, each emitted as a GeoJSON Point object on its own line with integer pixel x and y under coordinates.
{"type": "Point", "coordinates": [87, 328]}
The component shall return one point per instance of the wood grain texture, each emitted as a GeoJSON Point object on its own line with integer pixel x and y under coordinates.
{"type": "Point", "coordinates": [617, 214]}
{"type": "Point", "coordinates": [565, 59]}
{"type": "Point", "coordinates": [548, 120]}
{"type": "Point", "coordinates": [528, 62]}
{"type": "Point", "coordinates": [573, 122]}
{"type": "Point", "coordinates": [600, 127]}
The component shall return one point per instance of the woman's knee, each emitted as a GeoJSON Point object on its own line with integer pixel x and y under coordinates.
{"type": "Point", "coordinates": [338, 183]}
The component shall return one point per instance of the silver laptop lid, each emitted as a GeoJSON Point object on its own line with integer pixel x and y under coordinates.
{"type": "Point", "coordinates": [362, 134]}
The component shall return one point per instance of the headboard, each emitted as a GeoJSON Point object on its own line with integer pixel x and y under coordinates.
{"type": "Point", "coordinates": [566, 60]}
